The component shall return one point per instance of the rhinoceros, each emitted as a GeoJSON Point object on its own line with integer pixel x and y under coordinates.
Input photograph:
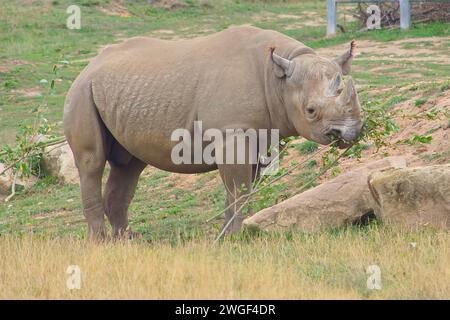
{"type": "Point", "coordinates": [124, 106]}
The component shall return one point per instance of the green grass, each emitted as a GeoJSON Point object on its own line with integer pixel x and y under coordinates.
{"type": "Point", "coordinates": [420, 102]}
{"type": "Point", "coordinates": [417, 31]}
{"type": "Point", "coordinates": [307, 147]}
{"type": "Point", "coordinates": [34, 38]}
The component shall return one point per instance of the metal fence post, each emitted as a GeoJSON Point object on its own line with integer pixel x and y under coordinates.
{"type": "Point", "coordinates": [405, 14]}
{"type": "Point", "coordinates": [331, 17]}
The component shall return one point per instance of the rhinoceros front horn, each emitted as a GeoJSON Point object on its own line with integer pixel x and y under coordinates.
{"type": "Point", "coordinates": [286, 67]}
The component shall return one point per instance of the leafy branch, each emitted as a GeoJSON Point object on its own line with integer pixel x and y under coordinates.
{"type": "Point", "coordinates": [24, 157]}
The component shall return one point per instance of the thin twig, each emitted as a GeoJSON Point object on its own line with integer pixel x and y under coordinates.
{"type": "Point", "coordinates": [271, 182]}
{"type": "Point", "coordinates": [290, 169]}
{"type": "Point", "coordinates": [47, 143]}
{"type": "Point", "coordinates": [13, 188]}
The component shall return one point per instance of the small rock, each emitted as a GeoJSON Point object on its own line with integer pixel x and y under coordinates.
{"type": "Point", "coordinates": [413, 245]}
{"type": "Point", "coordinates": [5, 182]}
{"type": "Point", "coordinates": [38, 138]}
{"type": "Point", "coordinates": [420, 150]}
{"type": "Point", "coordinates": [7, 178]}
{"type": "Point", "coordinates": [169, 4]}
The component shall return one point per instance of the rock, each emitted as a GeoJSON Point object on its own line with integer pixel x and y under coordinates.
{"type": "Point", "coordinates": [38, 138]}
{"type": "Point", "coordinates": [341, 201]}
{"type": "Point", "coordinates": [413, 197]}
{"type": "Point", "coordinates": [6, 181]}
{"type": "Point", "coordinates": [58, 162]}
{"type": "Point", "coordinates": [169, 4]}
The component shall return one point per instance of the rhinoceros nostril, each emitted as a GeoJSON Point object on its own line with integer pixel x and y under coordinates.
{"type": "Point", "coordinates": [334, 133]}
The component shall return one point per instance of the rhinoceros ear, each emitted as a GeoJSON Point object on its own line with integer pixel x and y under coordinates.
{"type": "Point", "coordinates": [283, 67]}
{"type": "Point", "coordinates": [345, 60]}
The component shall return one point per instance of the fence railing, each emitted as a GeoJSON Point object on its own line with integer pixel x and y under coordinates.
{"type": "Point", "coordinates": [405, 12]}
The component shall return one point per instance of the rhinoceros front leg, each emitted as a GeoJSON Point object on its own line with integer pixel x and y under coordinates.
{"type": "Point", "coordinates": [238, 183]}
{"type": "Point", "coordinates": [238, 179]}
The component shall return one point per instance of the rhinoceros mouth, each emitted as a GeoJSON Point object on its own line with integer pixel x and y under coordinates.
{"type": "Point", "coordinates": [342, 144]}
{"type": "Point", "coordinates": [335, 138]}
{"type": "Point", "coordinates": [339, 142]}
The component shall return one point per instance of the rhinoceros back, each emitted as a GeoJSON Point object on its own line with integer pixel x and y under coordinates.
{"type": "Point", "coordinates": [145, 88]}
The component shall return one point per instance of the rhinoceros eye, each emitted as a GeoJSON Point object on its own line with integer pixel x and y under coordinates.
{"type": "Point", "coordinates": [310, 110]}
{"type": "Point", "coordinates": [311, 113]}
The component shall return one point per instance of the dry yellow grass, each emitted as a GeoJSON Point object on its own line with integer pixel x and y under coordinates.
{"type": "Point", "coordinates": [327, 265]}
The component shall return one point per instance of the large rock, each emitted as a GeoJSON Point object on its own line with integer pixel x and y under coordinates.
{"type": "Point", "coordinates": [413, 197]}
{"type": "Point", "coordinates": [58, 162]}
{"type": "Point", "coordinates": [341, 201]}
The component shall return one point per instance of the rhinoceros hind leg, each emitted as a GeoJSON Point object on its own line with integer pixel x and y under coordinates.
{"type": "Point", "coordinates": [86, 136]}
{"type": "Point", "coordinates": [119, 192]}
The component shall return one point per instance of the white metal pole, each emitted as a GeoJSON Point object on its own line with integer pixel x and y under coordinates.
{"type": "Point", "coordinates": [331, 17]}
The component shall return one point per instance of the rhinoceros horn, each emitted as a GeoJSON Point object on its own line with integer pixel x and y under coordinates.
{"type": "Point", "coordinates": [334, 86]}
{"type": "Point", "coordinates": [287, 66]}
{"type": "Point", "coordinates": [348, 94]}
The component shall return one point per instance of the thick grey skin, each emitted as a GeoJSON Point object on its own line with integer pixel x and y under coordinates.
{"type": "Point", "coordinates": [124, 106]}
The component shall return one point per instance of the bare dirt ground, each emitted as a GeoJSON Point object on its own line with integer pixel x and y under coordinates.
{"type": "Point", "coordinates": [114, 9]}
{"type": "Point", "coordinates": [10, 64]}
{"type": "Point", "coordinates": [438, 151]}
{"type": "Point", "coordinates": [306, 19]}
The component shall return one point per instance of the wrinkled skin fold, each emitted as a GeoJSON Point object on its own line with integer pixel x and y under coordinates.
{"type": "Point", "coordinates": [126, 103]}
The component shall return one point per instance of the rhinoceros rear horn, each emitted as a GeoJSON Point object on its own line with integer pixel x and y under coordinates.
{"type": "Point", "coordinates": [345, 61]}
{"type": "Point", "coordinates": [348, 95]}
{"type": "Point", "coordinates": [334, 86]}
{"type": "Point", "coordinates": [284, 67]}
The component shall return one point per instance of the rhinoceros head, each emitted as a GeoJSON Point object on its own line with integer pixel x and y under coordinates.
{"type": "Point", "coordinates": [320, 104]}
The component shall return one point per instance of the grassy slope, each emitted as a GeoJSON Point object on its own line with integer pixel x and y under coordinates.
{"type": "Point", "coordinates": [37, 38]}
{"type": "Point", "coordinates": [166, 209]}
